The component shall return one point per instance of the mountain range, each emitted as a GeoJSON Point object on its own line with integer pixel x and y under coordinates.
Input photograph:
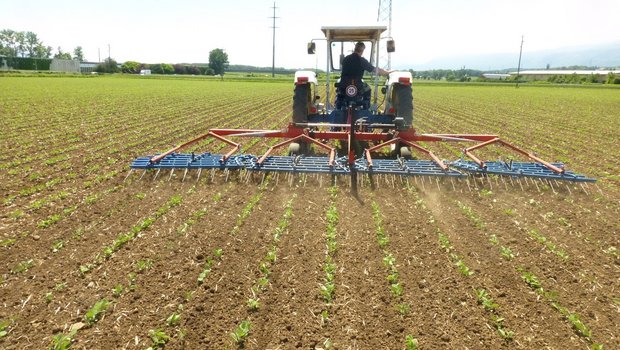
{"type": "Point", "coordinates": [607, 55]}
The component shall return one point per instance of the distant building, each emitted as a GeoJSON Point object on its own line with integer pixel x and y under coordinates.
{"type": "Point", "coordinates": [60, 65]}
{"type": "Point", "coordinates": [601, 75]}
{"type": "Point", "coordinates": [145, 72]}
{"type": "Point", "coordinates": [88, 67]}
{"type": "Point", "coordinates": [495, 76]}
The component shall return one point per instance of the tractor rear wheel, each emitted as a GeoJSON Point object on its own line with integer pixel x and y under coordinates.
{"type": "Point", "coordinates": [403, 104]}
{"type": "Point", "coordinates": [301, 99]}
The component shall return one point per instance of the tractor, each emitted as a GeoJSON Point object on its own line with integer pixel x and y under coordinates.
{"type": "Point", "coordinates": [346, 137]}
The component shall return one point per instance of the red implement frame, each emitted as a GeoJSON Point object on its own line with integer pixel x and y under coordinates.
{"type": "Point", "coordinates": [294, 133]}
{"type": "Point", "coordinates": [410, 144]}
{"type": "Point", "coordinates": [210, 133]}
{"type": "Point", "coordinates": [480, 163]}
{"type": "Point", "coordinates": [332, 151]}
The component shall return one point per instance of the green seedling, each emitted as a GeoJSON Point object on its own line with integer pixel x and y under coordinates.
{"type": "Point", "coordinates": [264, 269]}
{"type": "Point", "coordinates": [506, 253]}
{"type": "Point", "coordinates": [131, 277]}
{"type": "Point", "coordinates": [253, 304]}
{"type": "Point", "coordinates": [60, 286]}
{"type": "Point", "coordinates": [95, 313]}
{"type": "Point", "coordinates": [411, 343]}
{"type": "Point", "coordinates": [389, 260]}
{"type": "Point", "coordinates": [403, 308]}
{"type": "Point", "coordinates": [159, 338]}
{"type": "Point", "coordinates": [393, 277]}
{"type": "Point", "coordinates": [240, 334]}
{"type": "Point", "coordinates": [397, 289]}
{"type": "Point", "coordinates": [7, 242]}
{"type": "Point", "coordinates": [4, 325]}
{"type": "Point", "coordinates": [324, 317]}
{"type": "Point", "coordinates": [531, 280]}
{"type": "Point", "coordinates": [218, 253]}
{"type": "Point", "coordinates": [383, 242]}
{"type": "Point", "coordinates": [444, 242]}
{"type": "Point", "coordinates": [271, 256]}
{"type": "Point", "coordinates": [23, 266]}
{"type": "Point", "coordinates": [117, 290]}
{"type": "Point", "coordinates": [49, 296]}
{"type": "Point", "coordinates": [463, 268]}
{"type": "Point", "coordinates": [57, 246]}
{"type": "Point", "coordinates": [84, 269]}
{"type": "Point", "coordinates": [49, 221]}
{"type": "Point", "coordinates": [327, 291]}
{"type": "Point", "coordinates": [173, 319]}
{"type": "Point", "coordinates": [262, 282]}
{"type": "Point", "coordinates": [143, 265]}
{"type": "Point", "coordinates": [579, 325]}
{"type": "Point", "coordinates": [485, 300]}
{"type": "Point", "coordinates": [63, 341]}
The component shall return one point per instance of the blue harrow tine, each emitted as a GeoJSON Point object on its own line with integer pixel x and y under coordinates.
{"type": "Point", "coordinates": [529, 171]}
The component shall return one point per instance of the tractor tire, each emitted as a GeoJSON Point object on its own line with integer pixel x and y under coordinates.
{"type": "Point", "coordinates": [301, 98]}
{"type": "Point", "coordinates": [403, 104]}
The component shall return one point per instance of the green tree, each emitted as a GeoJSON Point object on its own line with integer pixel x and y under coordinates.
{"type": "Point", "coordinates": [167, 68]}
{"type": "Point", "coordinates": [8, 45]}
{"type": "Point", "coordinates": [131, 67]}
{"type": "Point", "coordinates": [612, 79]}
{"type": "Point", "coordinates": [218, 61]}
{"type": "Point", "coordinates": [41, 51]}
{"type": "Point", "coordinates": [62, 55]}
{"type": "Point", "coordinates": [78, 54]}
{"type": "Point", "coordinates": [108, 66]}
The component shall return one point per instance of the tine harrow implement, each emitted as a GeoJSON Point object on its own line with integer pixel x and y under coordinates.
{"type": "Point", "coordinates": [350, 137]}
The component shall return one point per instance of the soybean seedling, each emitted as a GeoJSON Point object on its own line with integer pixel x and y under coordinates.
{"type": "Point", "coordinates": [240, 333]}
{"type": "Point", "coordinates": [94, 314]}
{"type": "Point", "coordinates": [324, 317]}
{"type": "Point", "coordinates": [173, 319]}
{"type": "Point", "coordinates": [159, 338]}
{"type": "Point", "coordinates": [403, 308]}
{"type": "Point", "coordinates": [63, 341]}
{"type": "Point", "coordinates": [117, 290]}
{"type": "Point", "coordinates": [411, 343]}
{"type": "Point", "coordinates": [253, 304]}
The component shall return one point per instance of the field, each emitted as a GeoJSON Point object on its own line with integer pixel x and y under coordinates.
{"type": "Point", "coordinates": [90, 261]}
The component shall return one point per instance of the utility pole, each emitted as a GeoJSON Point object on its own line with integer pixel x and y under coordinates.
{"type": "Point", "coordinates": [384, 14]}
{"type": "Point", "coordinates": [519, 66]}
{"type": "Point", "coordinates": [108, 52]}
{"type": "Point", "coordinates": [99, 54]}
{"type": "Point", "coordinates": [273, 26]}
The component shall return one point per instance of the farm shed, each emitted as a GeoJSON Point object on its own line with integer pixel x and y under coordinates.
{"type": "Point", "coordinates": [88, 67]}
{"type": "Point", "coordinates": [496, 76]}
{"type": "Point", "coordinates": [60, 65]}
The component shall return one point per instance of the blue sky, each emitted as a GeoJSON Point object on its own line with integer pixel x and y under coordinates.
{"type": "Point", "coordinates": [186, 30]}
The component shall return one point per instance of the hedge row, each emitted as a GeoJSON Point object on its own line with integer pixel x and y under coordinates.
{"type": "Point", "coordinates": [26, 63]}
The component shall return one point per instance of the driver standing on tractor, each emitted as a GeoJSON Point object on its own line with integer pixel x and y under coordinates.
{"type": "Point", "coordinates": [354, 65]}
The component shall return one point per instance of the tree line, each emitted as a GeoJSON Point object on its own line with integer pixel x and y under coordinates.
{"type": "Point", "coordinates": [27, 44]}
{"type": "Point", "coordinates": [218, 63]}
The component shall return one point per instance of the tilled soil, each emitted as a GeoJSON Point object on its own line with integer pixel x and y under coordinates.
{"type": "Point", "coordinates": [184, 275]}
